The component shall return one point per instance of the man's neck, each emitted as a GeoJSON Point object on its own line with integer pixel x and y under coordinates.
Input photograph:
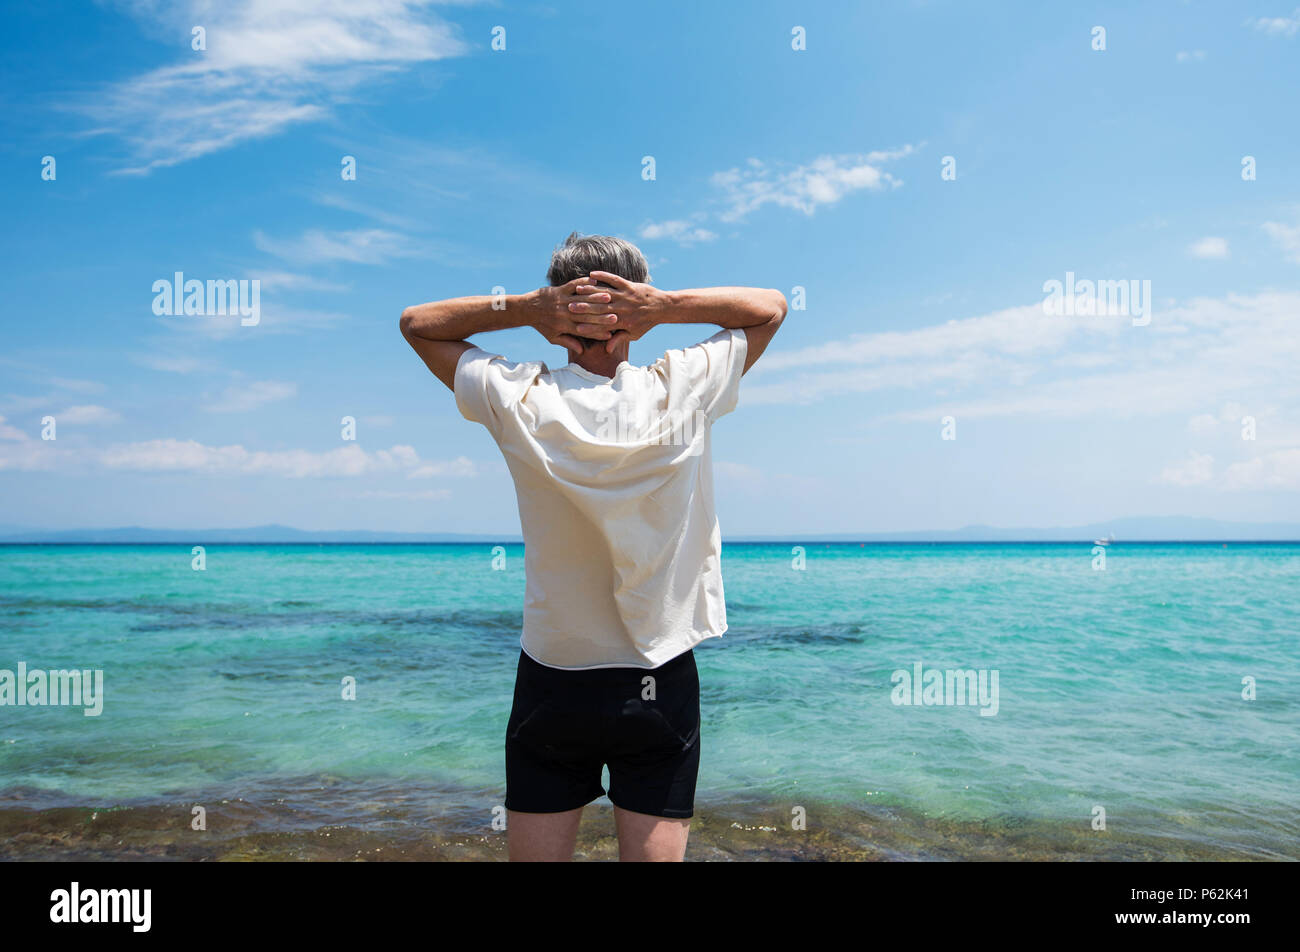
{"type": "Point", "coordinates": [595, 360]}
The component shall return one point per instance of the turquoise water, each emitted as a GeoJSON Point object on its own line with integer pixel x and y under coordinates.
{"type": "Point", "coordinates": [1119, 688]}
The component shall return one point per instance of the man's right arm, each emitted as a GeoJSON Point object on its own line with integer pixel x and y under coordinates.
{"type": "Point", "coordinates": [757, 311]}
{"type": "Point", "coordinates": [639, 307]}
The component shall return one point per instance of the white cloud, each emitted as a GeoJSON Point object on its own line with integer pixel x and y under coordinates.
{"type": "Point", "coordinates": [191, 456]}
{"type": "Point", "coordinates": [367, 210]}
{"type": "Point", "coordinates": [738, 191]}
{"type": "Point", "coordinates": [240, 398]}
{"type": "Point", "coordinates": [1209, 248]}
{"type": "Point", "coordinates": [460, 466]}
{"type": "Point", "coordinates": [1277, 26]}
{"type": "Point", "coordinates": [8, 432]}
{"type": "Point", "coordinates": [171, 363]}
{"type": "Point", "coordinates": [286, 281]}
{"type": "Point", "coordinates": [1190, 56]}
{"type": "Point", "coordinates": [1231, 413]}
{"type": "Point", "coordinates": [1242, 348]}
{"type": "Point", "coordinates": [1017, 331]}
{"type": "Point", "coordinates": [88, 414]}
{"type": "Point", "coordinates": [1276, 470]}
{"type": "Point", "coordinates": [1287, 237]}
{"type": "Point", "coordinates": [78, 386]}
{"type": "Point", "coordinates": [410, 495]}
{"type": "Point", "coordinates": [680, 231]}
{"type": "Point", "coordinates": [170, 455]}
{"type": "Point", "coordinates": [730, 474]}
{"type": "Point", "coordinates": [360, 246]}
{"type": "Point", "coordinates": [1196, 470]}
{"type": "Point", "coordinates": [269, 64]}
{"type": "Point", "coordinates": [30, 455]}
{"type": "Point", "coordinates": [823, 181]}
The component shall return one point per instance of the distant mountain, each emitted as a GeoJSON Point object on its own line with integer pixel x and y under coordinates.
{"type": "Point", "coordinates": [1132, 529]}
{"type": "Point", "coordinates": [249, 536]}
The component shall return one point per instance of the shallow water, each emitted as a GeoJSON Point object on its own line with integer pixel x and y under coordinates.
{"type": "Point", "coordinates": [1118, 689]}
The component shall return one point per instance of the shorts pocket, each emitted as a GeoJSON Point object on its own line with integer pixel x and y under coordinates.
{"type": "Point", "coordinates": [528, 723]}
{"type": "Point", "coordinates": [680, 733]}
{"type": "Point", "coordinates": [690, 735]}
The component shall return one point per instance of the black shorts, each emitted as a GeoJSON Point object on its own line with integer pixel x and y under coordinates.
{"type": "Point", "coordinates": [566, 725]}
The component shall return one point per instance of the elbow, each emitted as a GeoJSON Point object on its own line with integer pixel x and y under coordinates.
{"type": "Point", "coordinates": [405, 321]}
{"type": "Point", "coordinates": [779, 306]}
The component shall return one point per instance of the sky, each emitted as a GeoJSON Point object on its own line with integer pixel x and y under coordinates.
{"type": "Point", "coordinates": [913, 176]}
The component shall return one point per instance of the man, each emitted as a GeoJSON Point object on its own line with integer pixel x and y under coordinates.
{"type": "Point", "coordinates": [614, 480]}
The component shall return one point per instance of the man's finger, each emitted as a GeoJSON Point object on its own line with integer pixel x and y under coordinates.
{"type": "Point", "coordinates": [591, 289]}
{"type": "Point", "coordinates": [593, 316]}
{"type": "Point", "coordinates": [598, 307]}
{"type": "Point", "coordinates": [593, 330]}
{"type": "Point", "coordinates": [569, 341]}
{"type": "Point", "coordinates": [617, 280]}
{"type": "Point", "coordinates": [614, 340]}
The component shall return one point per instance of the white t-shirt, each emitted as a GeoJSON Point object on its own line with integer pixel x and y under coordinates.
{"type": "Point", "coordinates": [623, 555]}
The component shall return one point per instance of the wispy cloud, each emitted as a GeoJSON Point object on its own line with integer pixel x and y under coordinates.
{"type": "Point", "coordinates": [192, 457]}
{"type": "Point", "coordinates": [360, 246]}
{"type": "Point", "coordinates": [1276, 470]}
{"type": "Point", "coordinates": [32, 456]}
{"type": "Point", "coordinates": [87, 414]}
{"type": "Point", "coordinates": [1021, 362]}
{"type": "Point", "coordinates": [171, 363]}
{"type": "Point", "coordinates": [412, 495]}
{"type": "Point", "coordinates": [1196, 470]}
{"type": "Point", "coordinates": [681, 231]}
{"type": "Point", "coordinates": [268, 65]}
{"type": "Point", "coordinates": [739, 191]}
{"type": "Point", "coordinates": [823, 181]}
{"type": "Point", "coordinates": [273, 281]}
{"type": "Point", "coordinates": [8, 432]}
{"type": "Point", "coordinates": [1190, 56]}
{"type": "Point", "coordinates": [1209, 247]}
{"type": "Point", "coordinates": [243, 397]}
{"type": "Point", "coordinates": [1286, 237]}
{"type": "Point", "coordinates": [78, 386]}
{"type": "Point", "coordinates": [170, 455]}
{"type": "Point", "coordinates": [382, 215]}
{"type": "Point", "coordinates": [460, 466]}
{"type": "Point", "coordinates": [1277, 26]}
{"type": "Point", "coordinates": [1231, 413]}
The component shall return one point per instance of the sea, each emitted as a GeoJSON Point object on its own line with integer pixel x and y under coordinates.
{"type": "Point", "coordinates": [943, 701]}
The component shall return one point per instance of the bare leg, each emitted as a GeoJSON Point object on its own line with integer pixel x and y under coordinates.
{"type": "Point", "coordinates": [650, 839]}
{"type": "Point", "coordinates": [542, 837]}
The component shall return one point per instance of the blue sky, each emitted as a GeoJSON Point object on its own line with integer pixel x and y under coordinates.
{"type": "Point", "coordinates": [818, 168]}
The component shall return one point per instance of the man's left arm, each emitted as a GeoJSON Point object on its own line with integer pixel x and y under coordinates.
{"type": "Point", "coordinates": [437, 330]}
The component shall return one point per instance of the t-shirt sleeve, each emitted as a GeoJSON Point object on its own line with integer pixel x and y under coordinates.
{"type": "Point", "coordinates": [480, 394]}
{"type": "Point", "coordinates": [714, 367]}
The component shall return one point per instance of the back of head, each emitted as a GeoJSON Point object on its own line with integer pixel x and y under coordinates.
{"type": "Point", "coordinates": [582, 254]}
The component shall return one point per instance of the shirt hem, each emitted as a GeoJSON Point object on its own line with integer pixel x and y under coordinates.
{"type": "Point", "coordinates": [643, 667]}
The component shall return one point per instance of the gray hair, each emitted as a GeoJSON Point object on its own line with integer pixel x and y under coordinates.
{"type": "Point", "coordinates": [580, 255]}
